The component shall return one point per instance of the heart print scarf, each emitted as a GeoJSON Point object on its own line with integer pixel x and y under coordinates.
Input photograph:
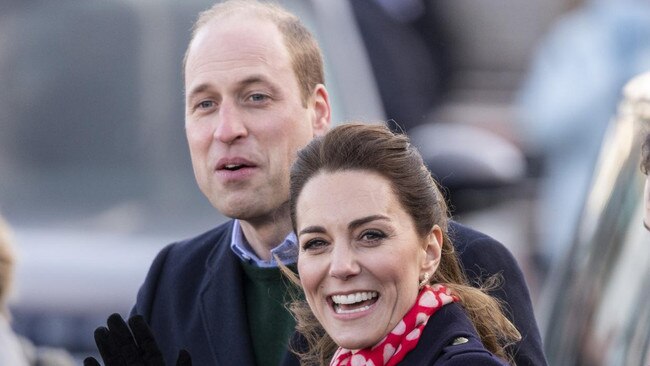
{"type": "Point", "coordinates": [404, 337]}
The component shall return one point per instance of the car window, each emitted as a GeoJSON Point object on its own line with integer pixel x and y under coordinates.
{"type": "Point", "coordinates": [596, 311]}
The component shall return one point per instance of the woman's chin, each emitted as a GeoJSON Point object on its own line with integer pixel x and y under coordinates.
{"type": "Point", "coordinates": [356, 339]}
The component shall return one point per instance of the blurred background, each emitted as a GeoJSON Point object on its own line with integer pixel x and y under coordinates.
{"type": "Point", "coordinates": [511, 103]}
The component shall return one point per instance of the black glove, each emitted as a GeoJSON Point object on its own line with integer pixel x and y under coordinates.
{"type": "Point", "coordinates": [120, 346]}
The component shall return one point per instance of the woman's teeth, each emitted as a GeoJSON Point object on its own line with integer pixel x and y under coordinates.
{"type": "Point", "coordinates": [342, 303]}
{"type": "Point", "coordinates": [353, 298]}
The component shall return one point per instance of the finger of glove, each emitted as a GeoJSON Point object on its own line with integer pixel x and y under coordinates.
{"type": "Point", "coordinates": [107, 349]}
{"type": "Point", "coordinates": [184, 358]}
{"type": "Point", "coordinates": [147, 342]}
{"type": "Point", "coordinates": [124, 340]}
{"type": "Point", "coordinates": [91, 361]}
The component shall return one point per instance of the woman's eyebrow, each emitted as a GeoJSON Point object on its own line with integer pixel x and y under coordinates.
{"type": "Point", "coordinates": [351, 226]}
{"type": "Point", "coordinates": [311, 230]}
{"type": "Point", "coordinates": [364, 220]}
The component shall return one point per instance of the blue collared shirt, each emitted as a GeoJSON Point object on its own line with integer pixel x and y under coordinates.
{"type": "Point", "coordinates": [287, 251]}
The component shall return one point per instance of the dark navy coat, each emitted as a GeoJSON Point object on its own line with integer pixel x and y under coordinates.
{"type": "Point", "coordinates": [436, 345]}
{"type": "Point", "coordinates": [193, 297]}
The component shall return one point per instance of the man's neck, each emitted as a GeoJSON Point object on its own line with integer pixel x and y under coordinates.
{"type": "Point", "coordinates": [264, 235]}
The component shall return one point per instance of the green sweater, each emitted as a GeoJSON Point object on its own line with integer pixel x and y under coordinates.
{"type": "Point", "coordinates": [269, 321]}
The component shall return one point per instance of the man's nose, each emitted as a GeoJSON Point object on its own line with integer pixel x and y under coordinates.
{"type": "Point", "coordinates": [230, 124]}
{"type": "Point", "coordinates": [344, 264]}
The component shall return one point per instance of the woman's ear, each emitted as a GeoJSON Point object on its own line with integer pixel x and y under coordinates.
{"type": "Point", "coordinates": [433, 250]}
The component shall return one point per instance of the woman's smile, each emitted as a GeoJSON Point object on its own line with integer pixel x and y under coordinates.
{"type": "Point", "coordinates": [354, 302]}
{"type": "Point", "coordinates": [360, 258]}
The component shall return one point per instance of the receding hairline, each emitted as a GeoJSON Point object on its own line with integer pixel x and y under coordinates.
{"type": "Point", "coordinates": [305, 55]}
{"type": "Point", "coordinates": [263, 11]}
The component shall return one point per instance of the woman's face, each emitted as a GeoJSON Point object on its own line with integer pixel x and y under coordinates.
{"type": "Point", "coordinates": [360, 256]}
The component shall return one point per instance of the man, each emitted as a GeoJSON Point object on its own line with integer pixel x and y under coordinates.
{"type": "Point", "coordinates": [254, 97]}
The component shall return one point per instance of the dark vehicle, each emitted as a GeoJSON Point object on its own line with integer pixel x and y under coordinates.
{"type": "Point", "coordinates": [599, 312]}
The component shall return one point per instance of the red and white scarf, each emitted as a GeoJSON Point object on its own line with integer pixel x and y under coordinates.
{"type": "Point", "coordinates": [404, 337]}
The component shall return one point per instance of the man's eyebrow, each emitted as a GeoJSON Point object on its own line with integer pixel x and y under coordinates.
{"type": "Point", "coordinates": [255, 79]}
{"type": "Point", "coordinates": [252, 79]}
{"type": "Point", "coordinates": [198, 89]}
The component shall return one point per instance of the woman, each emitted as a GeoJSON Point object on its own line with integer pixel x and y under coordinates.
{"type": "Point", "coordinates": [381, 280]}
{"type": "Point", "coordinates": [382, 283]}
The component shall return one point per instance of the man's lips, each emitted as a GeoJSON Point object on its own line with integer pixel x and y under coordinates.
{"type": "Point", "coordinates": [233, 164]}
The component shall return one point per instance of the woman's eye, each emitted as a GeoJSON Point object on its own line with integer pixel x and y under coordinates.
{"type": "Point", "coordinates": [314, 244]}
{"type": "Point", "coordinates": [372, 235]}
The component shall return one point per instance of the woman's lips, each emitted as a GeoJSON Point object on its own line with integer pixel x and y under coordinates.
{"type": "Point", "coordinates": [353, 302]}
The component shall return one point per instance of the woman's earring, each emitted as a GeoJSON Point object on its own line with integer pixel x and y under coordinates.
{"type": "Point", "coordinates": [425, 280]}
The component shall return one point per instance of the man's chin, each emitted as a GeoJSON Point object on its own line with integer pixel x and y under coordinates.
{"type": "Point", "coordinates": [241, 209]}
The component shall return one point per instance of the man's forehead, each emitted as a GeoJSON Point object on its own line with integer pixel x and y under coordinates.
{"type": "Point", "coordinates": [237, 40]}
{"type": "Point", "coordinates": [237, 26]}
{"type": "Point", "coordinates": [241, 46]}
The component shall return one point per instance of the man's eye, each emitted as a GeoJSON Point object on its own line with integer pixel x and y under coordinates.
{"type": "Point", "coordinates": [205, 104]}
{"type": "Point", "coordinates": [258, 97]}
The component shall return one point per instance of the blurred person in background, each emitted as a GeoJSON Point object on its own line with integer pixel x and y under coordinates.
{"type": "Point", "coordinates": [14, 349]}
{"type": "Point", "coordinates": [254, 97]}
{"type": "Point", "coordinates": [571, 93]}
{"type": "Point", "coordinates": [403, 35]}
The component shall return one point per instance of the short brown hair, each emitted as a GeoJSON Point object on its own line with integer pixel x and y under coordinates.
{"type": "Point", "coordinates": [306, 56]}
{"type": "Point", "coordinates": [375, 148]}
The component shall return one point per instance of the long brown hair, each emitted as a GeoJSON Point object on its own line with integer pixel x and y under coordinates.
{"type": "Point", "coordinates": [375, 148]}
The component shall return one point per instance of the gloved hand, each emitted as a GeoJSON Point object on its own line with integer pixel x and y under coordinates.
{"type": "Point", "coordinates": [120, 346]}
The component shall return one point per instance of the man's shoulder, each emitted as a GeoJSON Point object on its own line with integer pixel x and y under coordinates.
{"type": "Point", "coordinates": [204, 242]}
{"type": "Point", "coordinates": [462, 236]}
{"type": "Point", "coordinates": [187, 261]}
{"type": "Point", "coordinates": [202, 248]}
{"type": "Point", "coordinates": [468, 241]}
{"type": "Point", "coordinates": [482, 256]}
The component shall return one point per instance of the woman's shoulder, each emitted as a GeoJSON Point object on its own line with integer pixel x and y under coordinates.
{"type": "Point", "coordinates": [449, 338]}
{"type": "Point", "coordinates": [467, 352]}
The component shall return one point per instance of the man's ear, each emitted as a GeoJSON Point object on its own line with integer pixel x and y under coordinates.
{"type": "Point", "coordinates": [433, 250]}
{"type": "Point", "coordinates": [321, 109]}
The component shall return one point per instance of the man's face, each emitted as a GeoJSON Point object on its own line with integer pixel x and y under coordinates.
{"type": "Point", "coordinates": [244, 116]}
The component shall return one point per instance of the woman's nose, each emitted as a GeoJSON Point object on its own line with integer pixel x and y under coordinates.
{"type": "Point", "coordinates": [344, 263]}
